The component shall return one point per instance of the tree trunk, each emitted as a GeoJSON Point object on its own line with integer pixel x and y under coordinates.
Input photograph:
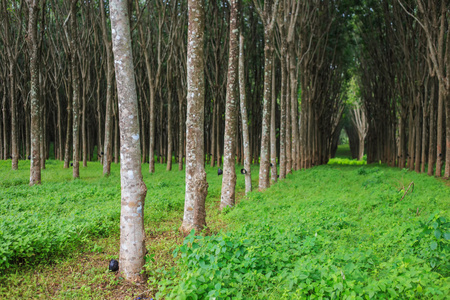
{"type": "Point", "coordinates": [42, 124]}
{"type": "Point", "coordinates": [35, 166]}
{"type": "Point", "coordinates": [5, 137]}
{"type": "Point", "coordinates": [107, 150]}
{"type": "Point", "coordinates": [273, 134]}
{"type": "Point", "coordinates": [169, 119]}
{"type": "Point", "coordinates": [244, 118]}
{"type": "Point", "coordinates": [440, 128]}
{"type": "Point", "coordinates": [229, 152]}
{"type": "Point", "coordinates": [161, 129]}
{"type": "Point", "coordinates": [283, 116]}
{"type": "Point", "coordinates": [196, 184]}
{"type": "Point", "coordinates": [76, 90]}
{"type": "Point", "coordinates": [12, 92]}
{"type": "Point", "coordinates": [133, 189]}
{"type": "Point", "coordinates": [213, 136]}
{"type": "Point", "coordinates": [294, 105]}
{"type": "Point", "coordinates": [447, 126]}
{"type": "Point", "coordinates": [141, 114]}
{"type": "Point", "coordinates": [151, 146]}
{"type": "Point", "coordinates": [116, 139]}
{"type": "Point", "coordinates": [288, 129]}
{"type": "Point", "coordinates": [59, 124]}
{"type": "Point", "coordinates": [432, 132]}
{"type": "Point", "coordinates": [83, 128]}
{"type": "Point", "coordinates": [265, 134]}
{"type": "Point", "coordinates": [180, 128]}
{"type": "Point", "coordinates": [69, 120]}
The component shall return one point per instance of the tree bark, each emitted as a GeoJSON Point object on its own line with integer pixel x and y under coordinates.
{"type": "Point", "coordinates": [169, 118]}
{"type": "Point", "coordinates": [133, 189]}
{"type": "Point", "coordinates": [69, 120]}
{"type": "Point", "coordinates": [196, 184]}
{"type": "Point", "coordinates": [75, 87]}
{"type": "Point", "coordinates": [244, 118]}
{"type": "Point", "coordinates": [229, 153]}
{"type": "Point", "coordinates": [35, 166]}
{"type": "Point", "coordinates": [273, 134]}
{"type": "Point", "coordinates": [107, 146]}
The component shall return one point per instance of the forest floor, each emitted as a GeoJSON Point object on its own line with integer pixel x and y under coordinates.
{"type": "Point", "coordinates": [336, 231]}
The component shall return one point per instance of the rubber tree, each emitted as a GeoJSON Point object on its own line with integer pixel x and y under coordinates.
{"type": "Point", "coordinates": [229, 154]}
{"type": "Point", "coordinates": [268, 16]}
{"type": "Point", "coordinates": [133, 189]}
{"type": "Point", "coordinates": [196, 184]}
{"type": "Point", "coordinates": [244, 117]}
{"type": "Point", "coordinates": [74, 42]}
{"type": "Point", "coordinates": [35, 166]}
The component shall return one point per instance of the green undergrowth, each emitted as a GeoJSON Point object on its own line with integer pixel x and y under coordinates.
{"type": "Point", "coordinates": [44, 222]}
{"type": "Point", "coordinates": [331, 232]}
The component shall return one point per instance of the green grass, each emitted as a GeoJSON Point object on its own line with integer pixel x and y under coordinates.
{"type": "Point", "coordinates": [46, 221]}
{"type": "Point", "coordinates": [329, 232]}
{"type": "Point", "coordinates": [336, 231]}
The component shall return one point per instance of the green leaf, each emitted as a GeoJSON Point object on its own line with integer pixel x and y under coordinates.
{"type": "Point", "coordinates": [447, 235]}
{"type": "Point", "coordinates": [437, 233]}
{"type": "Point", "coordinates": [218, 286]}
{"type": "Point", "coordinates": [433, 245]}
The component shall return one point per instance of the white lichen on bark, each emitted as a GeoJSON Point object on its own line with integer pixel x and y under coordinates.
{"type": "Point", "coordinates": [196, 185]}
{"type": "Point", "coordinates": [133, 189]}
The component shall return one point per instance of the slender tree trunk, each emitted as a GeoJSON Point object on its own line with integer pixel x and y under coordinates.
{"type": "Point", "coordinates": [116, 139]}
{"type": "Point", "coordinates": [440, 128]}
{"type": "Point", "coordinates": [69, 121]}
{"type": "Point", "coordinates": [169, 119]}
{"type": "Point", "coordinates": [35, 166]}
{"type": "Point", "coordinates": [273, 135]}
{"type": "Point", "coordinates": [42, 124]}
{"type": "Point", "coordinates": [288, 143]}
{"type": "Point", "coordinates": [218, 123]}
{"type": "Point", "coordinates": [99, 124]}
{"type": "Point", "coordinates": [12, 92]}
{"type": "Point", "coordinates": [229, 153]}
{"type": "Point", "coordinates": [141, 114]}
{"type": "Point", "coordinates": [83, 128]}
{"type": "Point", "coordinates": [294, 105]}
{"type": "Point", "coordinates": [424, 129]}
{"type": "Point", "coordinates": [402, 137]}
{"type": "Point", "coordinates": [76, 91]}
{"type": "Point", "coordinates": [107, 150]}
{"type": "Point", "coordinates": [196, 184]}
{"type": "Point", "coordinates": [151, 146]}
{"type": "Point", "coordinates": [180, 129]}
{"type": "Point", "coordinates": [5, 137]}
{"type": "Point", "coordinates": [447, 125]}
{"type": "Point", "coordinates": [265, 134]}
{"type": "Point", "coordinates": [133, 189]}
{"type": "Point", "coordinates": [161, 130]}
{"type": "Point", "coordinates": [283, 117]}
{"type": "Point", "coordinates": [418, 139]}
{"type": "Point", "coordinates": [59, 121]}
{"type": "Point", "coordinates": [432, 132]}
{"type": "Point", "coordinates": [213, 136]}
{"type": "Point", "coordinates": [244, 118]}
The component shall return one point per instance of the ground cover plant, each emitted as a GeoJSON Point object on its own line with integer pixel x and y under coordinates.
{"type": "Point", "coordinates": [56, 222]}
{"type": "Point", "coordinates": [335, 231]}
{"type": "Point", "coordinates": [329, 232]}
